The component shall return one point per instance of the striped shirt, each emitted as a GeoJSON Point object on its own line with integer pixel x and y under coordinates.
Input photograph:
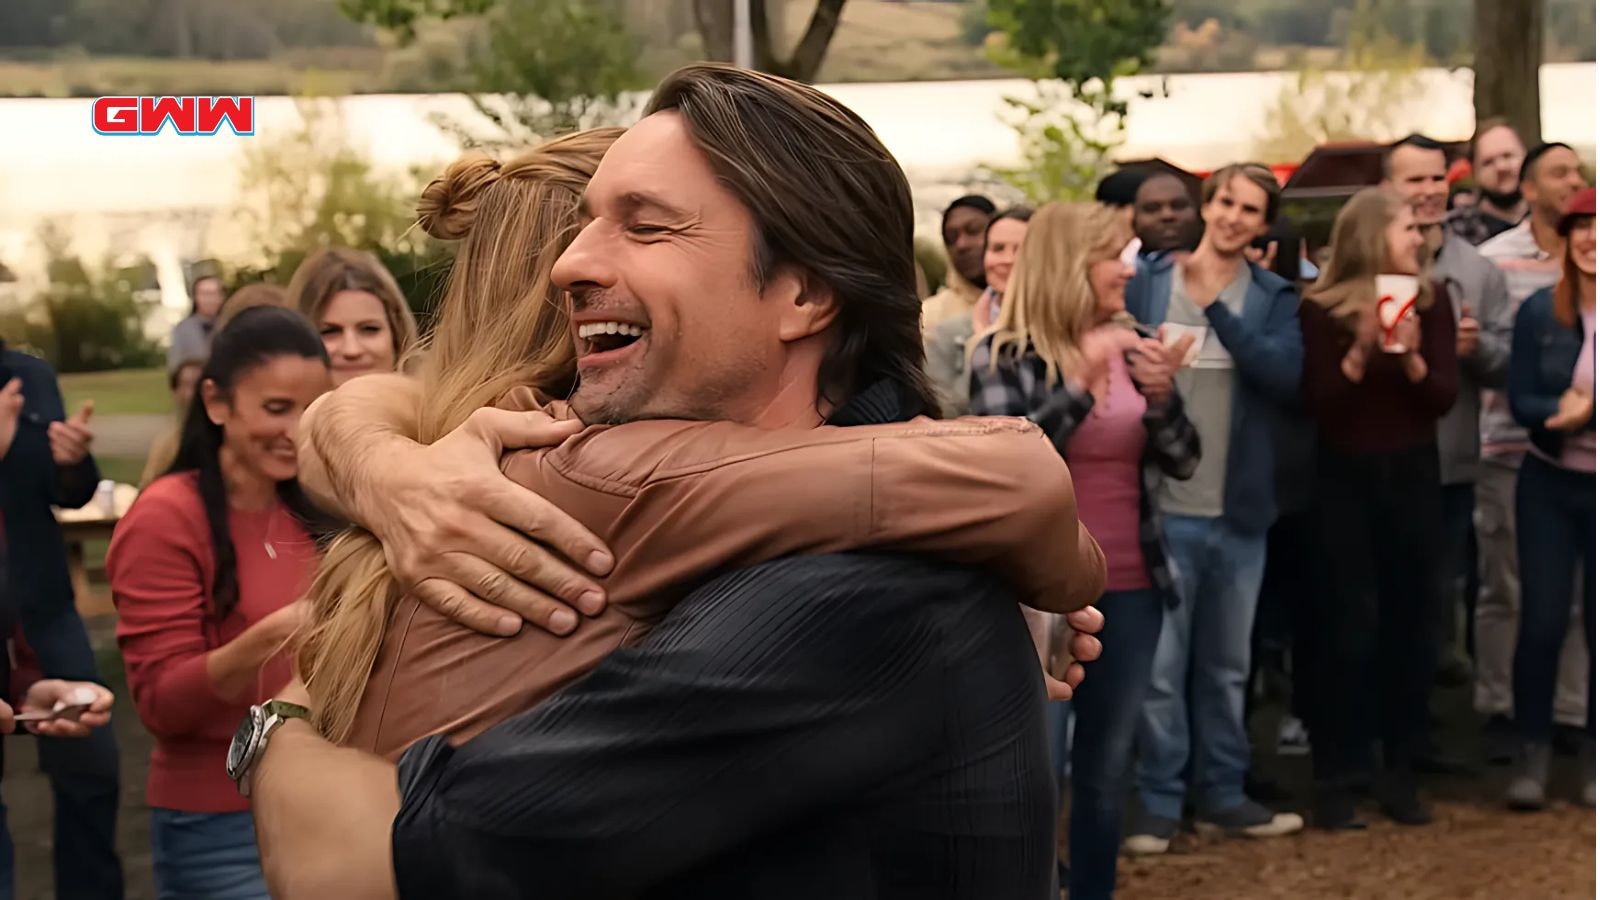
{"type": "Point", "coordinates": [1527, 269]}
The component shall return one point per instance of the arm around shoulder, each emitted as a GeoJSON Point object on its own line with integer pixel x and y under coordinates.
{"type": "Point", "coordinates": [1017, 512]}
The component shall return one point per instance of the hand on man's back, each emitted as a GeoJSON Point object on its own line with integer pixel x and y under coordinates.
{"type": "Point", "coordinates": [474, 545]}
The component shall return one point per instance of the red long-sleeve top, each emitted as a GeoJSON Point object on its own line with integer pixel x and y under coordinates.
{"type": "Point", "coordinates": [1384, 412]}
{"type": "Point", "coordinates": [162, 567]}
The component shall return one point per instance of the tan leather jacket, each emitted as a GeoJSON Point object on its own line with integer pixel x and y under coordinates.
{"type": "Point", "coordinates": [680, 501]}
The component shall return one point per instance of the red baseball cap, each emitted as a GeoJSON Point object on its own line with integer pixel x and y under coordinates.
{"type": "Point", "coordinates": [1580, 206]}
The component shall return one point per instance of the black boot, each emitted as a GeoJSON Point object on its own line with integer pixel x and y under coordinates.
{"type": "Point", "coordinates": [1399, 800]}
{"type": "Point", "coordinates": [1499, 740]}
{"type": "Point", "coordinates": [1334, 809]}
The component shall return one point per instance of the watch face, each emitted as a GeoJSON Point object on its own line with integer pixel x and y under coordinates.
{"type": "Point", "coordinates": [244, 742]}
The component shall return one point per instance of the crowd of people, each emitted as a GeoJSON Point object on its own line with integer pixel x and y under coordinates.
{"type": "Point", "coordinates": [683, 555]}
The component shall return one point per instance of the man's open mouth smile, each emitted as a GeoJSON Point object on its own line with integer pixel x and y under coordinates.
{"type": "Point", "coordinates": [601, 339]}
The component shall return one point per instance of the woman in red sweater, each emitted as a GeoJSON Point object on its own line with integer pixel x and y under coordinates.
{"type": "Point", "coordinates": [1376, 395]}
{"type": "Point", "coordinates": [207, 571]}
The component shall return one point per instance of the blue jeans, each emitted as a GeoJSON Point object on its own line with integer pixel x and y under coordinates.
{"type": "Point", "coordinates": [1555, 540]}
{"type": "Point", "coordinates": [1107, 707]}
{"type": "Point", "coordinates": [1059, 726]}
{"type": "Point", "coordinates": [1201, 665]}
{"type": "Point", "coordinates": [205, 856]}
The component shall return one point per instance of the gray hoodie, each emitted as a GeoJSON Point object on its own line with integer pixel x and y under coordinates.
{"type": "Point", "coordinates": [1476, 283]}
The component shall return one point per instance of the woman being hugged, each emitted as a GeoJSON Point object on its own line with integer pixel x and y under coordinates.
{"type": "Point", "coordinates": [1377, 379]}
{"type": "Point", "coordinates": [1062, 354]}
{"type": "Point", "coordinates": [207, 570]}
{"type": "Point", "coordinates": [1552, 395]}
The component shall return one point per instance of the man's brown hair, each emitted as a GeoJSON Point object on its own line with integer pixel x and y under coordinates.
{"type": "Point", "coordinates": [1484, 127]}
{"type": "Point", "coordinates": [1255, 173]}
{"type": "Point", "coordinates": [828, 198]}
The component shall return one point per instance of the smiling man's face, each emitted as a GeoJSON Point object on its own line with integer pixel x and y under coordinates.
{"type": "Point", "coordinates": [1164, 216]}
{"type": "Point", "coordinates": [1235, 216]}
{"type": "Point", "coordinates": [668, 318]}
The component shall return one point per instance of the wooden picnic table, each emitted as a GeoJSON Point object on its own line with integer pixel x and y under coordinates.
{"type": "Point", "coordinates": [92, 522]}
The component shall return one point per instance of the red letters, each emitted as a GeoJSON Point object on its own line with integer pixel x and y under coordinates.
{"type": "Point", "coordinates": [116, 115]}
{"type": "Point", "coordinates": [239, 111]}
{"type": "Point", "coordinates": [185, 115]}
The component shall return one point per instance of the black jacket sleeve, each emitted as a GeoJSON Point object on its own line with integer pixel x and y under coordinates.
{"type": "Point", "coordinates": [28, 462]}
{"type": "Point", "coordinates": [769, 696]}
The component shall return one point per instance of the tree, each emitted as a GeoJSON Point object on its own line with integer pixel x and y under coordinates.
{"type": "Point", "coordinates": [1086, 44]}
{"type": "Point", "coordinates": [1075, 50]}
{"type": "Point", "coordinates": [1510, 40]}
{"type": "Point", "coordinates": [714, 18]}
{"type": "Point", "coordinates": [87, 319]}
{"type": "Point", "coordinates": [308, 188]}
{"type": "Point", "coordinates": [554, 66]}
{"type": "Point", "coordinates": [1370, 95]}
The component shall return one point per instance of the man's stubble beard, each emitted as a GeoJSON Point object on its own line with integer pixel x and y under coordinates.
{"type": "Point", "coordinates": [710, 401]}
{"type": "Point", "coordinates": [1505, 202]}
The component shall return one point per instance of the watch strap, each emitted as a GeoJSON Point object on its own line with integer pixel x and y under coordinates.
{"type": "Point", "coordinates": [283, 709]}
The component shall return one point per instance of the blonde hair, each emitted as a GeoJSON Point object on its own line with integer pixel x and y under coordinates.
{"type": "Point", "coordinates": [502, 324]}
{"type": "Point", "coordinates": [1359, 253]}
{"type": "Point", "coordinates": [1049, 304]}
{"type": "Point", "coordinates": [333, 269]}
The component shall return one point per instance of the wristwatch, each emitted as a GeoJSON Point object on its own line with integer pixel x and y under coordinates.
{"type": "Point", "coordinates": [250, 741]}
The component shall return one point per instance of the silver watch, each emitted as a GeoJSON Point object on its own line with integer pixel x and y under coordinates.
{"type": "Point", "coordinates": [250, 741]}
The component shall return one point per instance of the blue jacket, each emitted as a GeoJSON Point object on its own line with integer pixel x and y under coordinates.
{"type": "Point", "coordinates": [1264, 340]}
{"type": "Point", "coordinates": [1543, 355]}
{"type": "Point", "coordinates": [37, 579]}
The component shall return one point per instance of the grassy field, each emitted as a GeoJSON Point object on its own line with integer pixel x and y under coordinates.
{"type": "Point", "coordinates": [95, 76]}
{"type": "Point", "coordinates": [121, 469]}
{"type": "Point", "coordinates": [130, 392]}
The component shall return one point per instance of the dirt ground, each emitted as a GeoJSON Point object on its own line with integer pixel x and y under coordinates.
{"type": "Point", "coordinates": [1475, 849]}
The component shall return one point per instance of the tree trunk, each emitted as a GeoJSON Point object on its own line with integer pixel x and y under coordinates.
{"type": "Point", "coordinates": [813, 46]}
{"type": "Point", "coordinates": [1509, 36]}
{"type": "Point", "coordinates": [714, 18]}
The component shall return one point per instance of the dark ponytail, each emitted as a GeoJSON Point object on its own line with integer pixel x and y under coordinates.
{"type": "Point", "coordinates": [249, 341]}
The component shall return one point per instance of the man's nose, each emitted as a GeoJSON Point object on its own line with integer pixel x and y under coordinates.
{"type": "Point", "coordinates": [582, 264]}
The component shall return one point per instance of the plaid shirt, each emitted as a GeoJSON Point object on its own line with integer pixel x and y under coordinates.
{"type": "Point", "coordinates": [1019, 388]}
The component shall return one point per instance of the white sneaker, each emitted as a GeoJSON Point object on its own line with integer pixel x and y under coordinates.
{"type": "Point", "coordinates": [1149, 835]}
{"type": "Point", "coordinates": [1293, 739]}
{"type": "Point", "coordinates": [1250, 819]}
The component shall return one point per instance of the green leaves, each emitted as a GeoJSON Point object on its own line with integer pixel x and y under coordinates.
{"type": "Point", "coordinates": [1075, 50]}
{"type": "Point", "coordinates": [401, 16]}
{"type": "Point", "coordinates": [1086, 44]}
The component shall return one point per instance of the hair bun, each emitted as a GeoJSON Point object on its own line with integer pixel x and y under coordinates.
{"type": "Point", "coordinates": [449, 203]}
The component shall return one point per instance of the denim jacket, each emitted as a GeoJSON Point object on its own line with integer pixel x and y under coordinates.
{"type": "Point", "coordinates": [1543, 354]}
{"type": "Point", "coordinates": [1264, 340]}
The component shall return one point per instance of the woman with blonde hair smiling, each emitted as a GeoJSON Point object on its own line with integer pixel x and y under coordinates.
{"type": "Point", "coordinates": [677, 500]}
{"type": "Point", "coordinates": [358, 309]}
{"type": "Point", "coordinates": [1377, 379]}
{"type": "Point", "coordinates": [1062, 352]}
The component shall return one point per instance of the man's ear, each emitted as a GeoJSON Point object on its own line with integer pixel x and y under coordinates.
{"type": "Point", "coordinates": [807, 305]}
